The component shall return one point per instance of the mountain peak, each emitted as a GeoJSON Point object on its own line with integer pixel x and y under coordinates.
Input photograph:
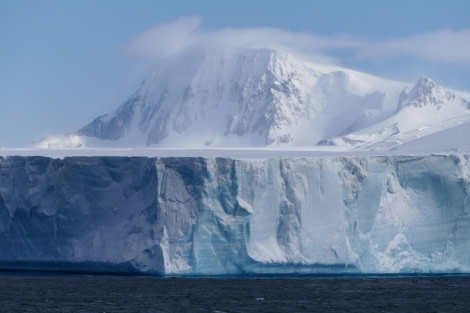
{"type": "Point", "coordinates": [426, 82]}
{"type": "Point", "coordinates": [231, 91]}
{"type": "Point", "coordinates": [425, 92]}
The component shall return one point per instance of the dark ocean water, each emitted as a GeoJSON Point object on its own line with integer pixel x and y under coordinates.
{"type": "Point", "coordinates": [81, 293]}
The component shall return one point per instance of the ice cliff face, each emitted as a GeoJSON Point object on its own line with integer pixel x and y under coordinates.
{"type": "Point", "coordinates": [220, 216]}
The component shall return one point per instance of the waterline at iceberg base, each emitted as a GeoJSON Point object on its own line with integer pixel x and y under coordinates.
{"type": "Point", "coordinates": [222, 216]}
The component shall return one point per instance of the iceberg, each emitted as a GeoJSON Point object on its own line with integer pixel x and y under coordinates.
{"type": "Point", "coordinates": [233, 216]}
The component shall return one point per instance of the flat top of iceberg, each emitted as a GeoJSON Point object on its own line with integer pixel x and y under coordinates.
{"type": "Point", "coordinates": [236, 153]}
{"type": "Point", "coordinates": [239, 153]}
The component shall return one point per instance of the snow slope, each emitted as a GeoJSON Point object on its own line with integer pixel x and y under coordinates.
{"type": "Point", "coordinates": [425, 109]}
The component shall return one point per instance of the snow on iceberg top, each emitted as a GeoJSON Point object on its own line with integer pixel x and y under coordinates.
{"type": "Point", "coordinates": [425, 147]}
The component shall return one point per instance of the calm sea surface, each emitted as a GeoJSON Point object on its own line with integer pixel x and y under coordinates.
{"type": "Point", "coordinates": [81, 293]}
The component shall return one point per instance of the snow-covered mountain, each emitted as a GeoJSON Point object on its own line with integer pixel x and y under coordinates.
{"type": "Point", "coordinates": [234, 97]}
{"type": "Point", "coordinates": [425, 109]}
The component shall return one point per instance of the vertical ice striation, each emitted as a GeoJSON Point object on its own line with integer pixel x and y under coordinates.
{"type": "Point", "coordinates": [221, 216]}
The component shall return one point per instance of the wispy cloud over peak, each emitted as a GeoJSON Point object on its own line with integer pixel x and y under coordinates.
{"type": "Point", "coordinates": [166, 39]}
{"type": "Point", "coordinates": [433, 49]}
{"type": "Point", "coordinates": [445, 45]}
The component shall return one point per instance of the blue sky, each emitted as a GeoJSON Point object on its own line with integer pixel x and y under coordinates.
{"type": "Point", "coordinates": [62, 63]}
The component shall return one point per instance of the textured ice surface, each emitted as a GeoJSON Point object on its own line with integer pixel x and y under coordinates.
{"type": "Point", "coordinates": [218, 216]}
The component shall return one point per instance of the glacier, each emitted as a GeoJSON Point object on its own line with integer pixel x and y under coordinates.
{"type": "Point", "coordinates": [236, 216]}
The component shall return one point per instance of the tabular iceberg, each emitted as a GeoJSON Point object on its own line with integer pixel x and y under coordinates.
{"type": "Point", "coordinates": [222, 216]}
